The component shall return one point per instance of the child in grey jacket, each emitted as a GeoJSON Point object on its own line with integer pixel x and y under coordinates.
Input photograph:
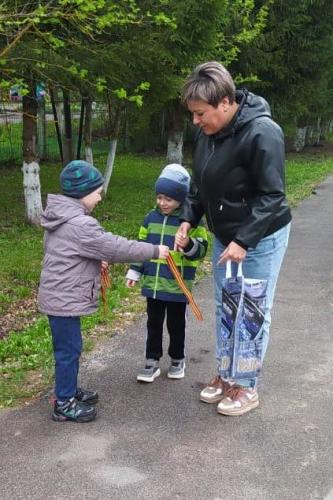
{"type": "Point", "coordinates": [75, 247]}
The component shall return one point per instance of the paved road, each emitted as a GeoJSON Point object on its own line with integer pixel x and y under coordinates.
{"type": "Point", "coordinates": [159, 442]}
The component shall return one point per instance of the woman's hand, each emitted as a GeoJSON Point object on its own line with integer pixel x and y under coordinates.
{"type": "Point", "coordinates": [181, 241]}
{"type": "Point", "coordinates": [181, 236]}
{"type": "Point", "coordinates": [232, 252]}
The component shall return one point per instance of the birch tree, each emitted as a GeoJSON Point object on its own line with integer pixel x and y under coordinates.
{"type": "Point", "coordinates": [30, 168]}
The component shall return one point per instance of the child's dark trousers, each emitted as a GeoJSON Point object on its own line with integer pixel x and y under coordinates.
{"type": "Point", "coordinates": [175, 321]}
{"type": "Point", "coordinates": [67, 347]}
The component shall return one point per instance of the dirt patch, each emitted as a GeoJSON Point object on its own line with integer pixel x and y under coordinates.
{"type": "Point", "coordinates": [20, 314]}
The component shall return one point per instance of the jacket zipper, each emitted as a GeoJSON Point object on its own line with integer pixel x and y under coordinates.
{"type": "Point", "coordinates": [210, 221]}
{"type": "Point", "coordinates": [158, 264]}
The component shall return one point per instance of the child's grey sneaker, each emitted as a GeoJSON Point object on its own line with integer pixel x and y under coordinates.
{"type": "Point", "coordinates": [177, 369]}
{"type": "Point", "coordinates": [149, 372]}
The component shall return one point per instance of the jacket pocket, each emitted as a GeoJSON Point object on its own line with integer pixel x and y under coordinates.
{"type": "Point", "coordinates": [89, 288]}
{"type": "Point", "coordinates": [229, 211]}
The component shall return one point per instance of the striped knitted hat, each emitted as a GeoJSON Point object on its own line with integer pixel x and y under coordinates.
{"type": "Point", "coordinates": [80, 178]}
{"type": "Point", "coordinates": [173, 182]}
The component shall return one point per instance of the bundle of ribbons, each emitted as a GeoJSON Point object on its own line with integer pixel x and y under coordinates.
{"type": "Point", "coordinates": [105, 283]}
{"type": "Point", "coordinates": [174, 269]}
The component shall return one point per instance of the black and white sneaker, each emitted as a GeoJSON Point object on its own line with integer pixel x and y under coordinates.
{"type": "Point", "coordinates": [149, 372]}
{"type": "Point", "coordinates": [85, 396]}
{"type": "Point", "coordinates": [74, 411]}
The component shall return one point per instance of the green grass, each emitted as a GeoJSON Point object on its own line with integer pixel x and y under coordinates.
{"type": "Point", "coordinates": [26, 364]}
{"type": "Point", "coordinates": [303, 174]}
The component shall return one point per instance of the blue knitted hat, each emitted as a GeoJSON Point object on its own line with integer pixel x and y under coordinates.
{"type": "Point", "coordinates": [173, 182]}
{"type": "Point", "coordinates": [80, 178]}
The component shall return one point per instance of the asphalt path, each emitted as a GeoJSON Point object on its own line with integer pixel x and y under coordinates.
{"type": "Point", "coordinates": [157, 441]}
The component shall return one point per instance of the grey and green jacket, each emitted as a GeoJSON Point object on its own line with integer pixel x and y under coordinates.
{"type": "Point", "coordinates": [158, 281]}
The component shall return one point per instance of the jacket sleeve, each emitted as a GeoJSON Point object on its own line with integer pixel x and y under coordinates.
{"type": "Point", "coordinates": [95, 243]}
{"type": "Point", "coordinates": [192, 210]}
{"type": "Point", "coordinates": [197, 247]}
{"type": "Point", "coordinates": [266, 169]}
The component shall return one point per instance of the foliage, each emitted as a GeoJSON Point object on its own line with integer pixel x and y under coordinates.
{"type": "Point", "coordinates": [292, 60]}
{"type": "Point", "coordinates": [64, 41]}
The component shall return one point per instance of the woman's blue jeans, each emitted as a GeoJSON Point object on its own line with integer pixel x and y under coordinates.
{"type": "Point", "coordinates": [262, 262]}
{"type": "Point", "coordinates": [67, 347]}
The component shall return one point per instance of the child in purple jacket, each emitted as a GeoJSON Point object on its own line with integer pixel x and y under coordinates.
{"type": "Point", "coordinates": [75, 246]}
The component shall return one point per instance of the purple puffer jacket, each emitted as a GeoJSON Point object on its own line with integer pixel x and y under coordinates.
{"type": "Point", "coordinates": [75, 244]}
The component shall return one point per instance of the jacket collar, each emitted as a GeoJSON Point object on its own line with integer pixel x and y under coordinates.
{"type": "Point", "coordinates": [175, 213]}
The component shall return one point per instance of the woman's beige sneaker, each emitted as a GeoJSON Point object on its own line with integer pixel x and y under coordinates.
{"type": "Point", "coordinates": [215, 390]}
{"type": "Point", "coordinates": [238, 400]}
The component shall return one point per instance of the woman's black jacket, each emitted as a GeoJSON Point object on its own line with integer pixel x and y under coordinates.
{"type": "Point", "coordinates": [238, 177]}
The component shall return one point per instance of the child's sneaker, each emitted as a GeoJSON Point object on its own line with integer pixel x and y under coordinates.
{"type": "Point", "coordinates": [177, 369]}
{"type": "Point", "coordinates": [149, 372]}
{"type": "Point", "coordinates": [85, 396]}
{"type": "Point", "coordinates": [73, 410]}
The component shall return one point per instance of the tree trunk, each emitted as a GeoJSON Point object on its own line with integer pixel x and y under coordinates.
{"type": "Point", "coordinates": [175, 147]}
{"type": "Point", "coordinates": [114, 123]}
{"type": "Point", "coordinates": [299, 141]}
{"type": "Point", "coordinates": [32, 196]}
{"type": "Point", "coordinates": [79, 139]}
{"type": "Point", "coordinates": [68, 137]}
{"type": "Point", "coordinates": [162, 128]}
{"type": "Point", "coordinates": [326, 129]}
{"type": "Point", "coordinates": [88, 131]}
{"type": "Point", "coordinates": [56, 123]}
{"type": "Point", "coordinates": [175, 128]}
{"type": "Point", "coordinates": [41, 122]}
{"type": "Point", "coordinates": [313, 134]}
{"type": "Point", "coordinates": [59, 105]}
{"type": "Point", "coordinates": [30, 169]}
{"type": "Point", "coordinates": [319, 128]}
{"type": "Point", "coordinates": [110, 164]}
{"type": "Point", "coordinates": [127, 133]}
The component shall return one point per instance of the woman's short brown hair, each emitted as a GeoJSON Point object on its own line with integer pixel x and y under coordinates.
{"type": "Point", "coordinates": [209, 82]}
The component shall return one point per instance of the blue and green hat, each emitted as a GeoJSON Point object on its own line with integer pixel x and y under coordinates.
{"type": "Point", "coordinates": [173, 182]}
{"type": "Point", "coordinates": [79, 178]}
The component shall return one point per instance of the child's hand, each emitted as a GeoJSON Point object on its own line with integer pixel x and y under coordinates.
{"type": "Point", "coordinates": [181, 240]}
{"type": "Point", "coordinates": [182, 233]}
{"type": "Point", "coordinates": [104, 265]}
{"type": "Point", "coordinates": [130, 283]}
{"type": "Point", "coordinates": [163, 251]}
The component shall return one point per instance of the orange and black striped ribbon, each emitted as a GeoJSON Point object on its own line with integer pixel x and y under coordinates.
{"type": "Point", "coordinates": [174, 269]}
{"type": "Point", "coordinates": [105, 283]}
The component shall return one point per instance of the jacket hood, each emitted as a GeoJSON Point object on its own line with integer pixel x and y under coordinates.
{"type": "Point", "coordinates": [60, 209]}
{"type": "Point", "coordinates": [251, 106]}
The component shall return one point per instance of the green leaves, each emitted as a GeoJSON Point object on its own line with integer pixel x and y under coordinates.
{"type": "Point", "coordinates": [136, 98]}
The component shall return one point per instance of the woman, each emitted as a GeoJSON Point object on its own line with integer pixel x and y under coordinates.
{"type": "Point", "coordinates": [238, 183]}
